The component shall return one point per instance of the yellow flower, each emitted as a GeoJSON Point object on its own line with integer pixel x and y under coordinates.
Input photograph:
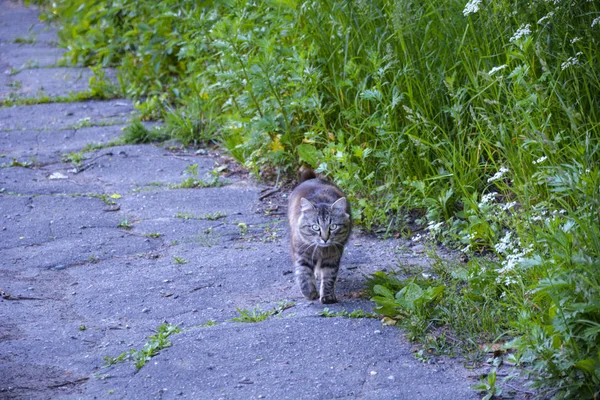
{"type": "Point", "coordinates": [276, 144]}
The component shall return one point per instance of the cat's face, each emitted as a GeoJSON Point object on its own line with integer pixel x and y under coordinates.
{"type": "Point", "coordinates": [324, 224]}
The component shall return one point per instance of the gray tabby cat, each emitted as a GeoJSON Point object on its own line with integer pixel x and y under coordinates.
{"type": "Point", "coordinates": [320, 223]}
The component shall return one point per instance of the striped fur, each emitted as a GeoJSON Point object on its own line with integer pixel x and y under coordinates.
{"type": "Point", "coordinates": [320, 224]}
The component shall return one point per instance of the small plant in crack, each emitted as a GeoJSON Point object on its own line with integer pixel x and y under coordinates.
{"type": "Point", "coordinates": [208, 216]}
{"type": "Point", "coordinates": [257, 315]}
{"type": "Point", "coordinates": [180, 260]}
{"type": "Point", "coordinates": [24, 40]}
{"type": "Point", "coordinates": [17, 163]}
{"type": "Point", "coordinates": [153, 346]}
{"type": "Point", "coordinates": [152, 235]}
{"type": "Point", "coordinates": [358, 313]}
{"type": "Point", "coordinates": [243, 227]}
{"type": "Point", "coordinates": [209, 323]}
{"type": "Point", "coordinates": [74, 158]}
{"type": "Point", "coordinates": [125, 224]}
{"type": "Point", "coordinates": [15, 85]}
{"type": "Point", "coordinates": [193, 181]}
{"type": "Point", "coordinates": [99, 146]}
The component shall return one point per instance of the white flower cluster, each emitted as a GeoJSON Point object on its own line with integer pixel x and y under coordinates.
{"type": "Point", "coordinates": [596, 21]}
{"type": "Point", "coordinates": [435, 228]}
{"type": "Point", "coordinates": [496, 69]}
{"type": "Point", "coordinates": [524, 30]}
{"type": "Point", "coordinates": [545, 17]}
{"type": "Point", "coordinates": [472, 7]}
{"type": "Point", "coordinates": [508, 206]}
{"type": "Point", "coordinates": [540, 160]}
{"type": "Point", "coordinates": [513, 255]}
{"type": "Point", "coordinates": [486, 198]}
{"type": "Point", "coordinates": [498, 175]}
{"type": "Point", "coordinates": [571, 61]}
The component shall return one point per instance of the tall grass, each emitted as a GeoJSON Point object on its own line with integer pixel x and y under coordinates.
{"type": "Point", "coordinates": [481, 118]}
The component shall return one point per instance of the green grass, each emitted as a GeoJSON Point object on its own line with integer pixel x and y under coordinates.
{"type": "Point", "coordinates": [125, 224]}
{"type": "Point", "coordinates": [257, 315]}
{"type": "Point", "coordinates": [481, 122]}
{"type": "Point", "coordinates": [180, 260]}
{"type": "Point", "coordinates": [358, 313]}
{"type": "Point", "coordinates": [151, 348]}
{"type": "Point", "coordinates": [45, 99]}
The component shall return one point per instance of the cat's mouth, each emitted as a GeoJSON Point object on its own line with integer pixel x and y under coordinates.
{"type": "Point", "coordinates": [325, 245]}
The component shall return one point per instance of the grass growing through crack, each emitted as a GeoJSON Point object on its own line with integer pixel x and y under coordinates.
{"type": "Point", "coordinates": [193, 181]}
{"type": "Point", "coordinates": [180, 260]}
{"type": "Point", "coordinates": [358, 313]}
{"type": "Point", "coordinates": [125, 224]}
{"type": "Point", "coordinates": [257, 315]}
{"type": "Point", "coordinates": [74, 158]}
{"type": "Point", "coordinates": [151, 348]}
{"type": "Point", "coordinates": [207, 216]}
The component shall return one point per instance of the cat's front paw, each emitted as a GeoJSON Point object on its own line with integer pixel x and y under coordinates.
{"type": "Point", "coordinates": [311, 295]}
{"type": "Point", "coordinates": [328, 299]}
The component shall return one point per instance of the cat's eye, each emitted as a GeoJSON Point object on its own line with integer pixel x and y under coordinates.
{"type": "Point", "coordinates": [316, 228]}
{"type": "Point", "coordinates": [333, 227]}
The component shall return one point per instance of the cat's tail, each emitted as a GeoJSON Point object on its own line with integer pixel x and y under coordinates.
{"type": "Point", "coordinates": [306, 173]}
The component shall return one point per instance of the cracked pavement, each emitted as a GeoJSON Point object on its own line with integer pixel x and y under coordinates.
{"type": "Point", "coordinates": [93, 259]}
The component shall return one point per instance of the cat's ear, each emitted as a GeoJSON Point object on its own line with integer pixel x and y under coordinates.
{"type": "Point", "coordinates": [306, 205]}
{"type": "Point", "coordinates": [340, 204]}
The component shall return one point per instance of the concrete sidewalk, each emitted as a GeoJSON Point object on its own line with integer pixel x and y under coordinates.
{"type": "Point", "coordinates": [95, 257]}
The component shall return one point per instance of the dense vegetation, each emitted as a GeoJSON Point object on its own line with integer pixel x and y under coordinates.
{"type": "Point", "coordinates": [480, 119]}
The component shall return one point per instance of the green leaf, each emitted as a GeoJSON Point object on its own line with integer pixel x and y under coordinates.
{"type": "Point", "coordinates": [412, 292]}
{"type": "Point", "coordinates": [383, 291]}
{"type": "Point", "coordinates": [588, 365]}
{"type": "Point", "coordinates": [309, 154]}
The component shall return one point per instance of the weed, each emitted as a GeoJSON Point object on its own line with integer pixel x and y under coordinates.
{"type": "Point", "coordinates": [243, 227]}
{"type": "Point", "coordinates": [99, 146]}
{"type": "Point", "coordinates": [488, 387]}
{"type": "Point", "coordinates": [258, 315]}
{"type": "Point", "coordinates": [180, 260]}
{"type": "Point", "coordinates": [213, 216]}
{"type": "Point", "coordinates": [193, 182]}
{"type": "Point", "coordinates": [24, 40]}
{"type": "Point", "coordinates": [153, 346]}
{"type": "Point", "coordinates": [100, 87]}
{"type": "Point", "coordinates": [15, 85]}
{"type": "Point", "coordinates": [137, 133]}
{"type": "Point", "coordinates": [358, 313]}
{"type": "Point", "coordinates": [152, 235]}
{"type": "Point", "coordinates": [44, 99]}
{"type": "Point", "coordinates": [74, 158]}
{"type": "Point", "coordinates": [17, 163]}
{"type": "Point", "coordinates": [209, 323]}
{"type": "Point", "coordinates": [208, 216]}
{"type": "Point", "coordinates": [125, 224]}
{"type": "Point", "coordinates": [185, 215]}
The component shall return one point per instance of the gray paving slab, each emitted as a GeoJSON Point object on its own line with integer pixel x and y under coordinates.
{"type": "Point", "coordinates": [17, 22]}
{"type": "Point", "coordinates": [28, 56]}
{"type": "Point", "coordinates": [54, 116]}
{"type": "Point", "coordinates": [95, 256]}
{"type": "Point", "coordinates": [44, 146]}
{"type": "Point", "coordinates": [50, 82]}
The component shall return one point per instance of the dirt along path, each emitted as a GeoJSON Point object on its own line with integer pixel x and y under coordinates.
{"type": "Point", "coordinates": [97, 255]}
